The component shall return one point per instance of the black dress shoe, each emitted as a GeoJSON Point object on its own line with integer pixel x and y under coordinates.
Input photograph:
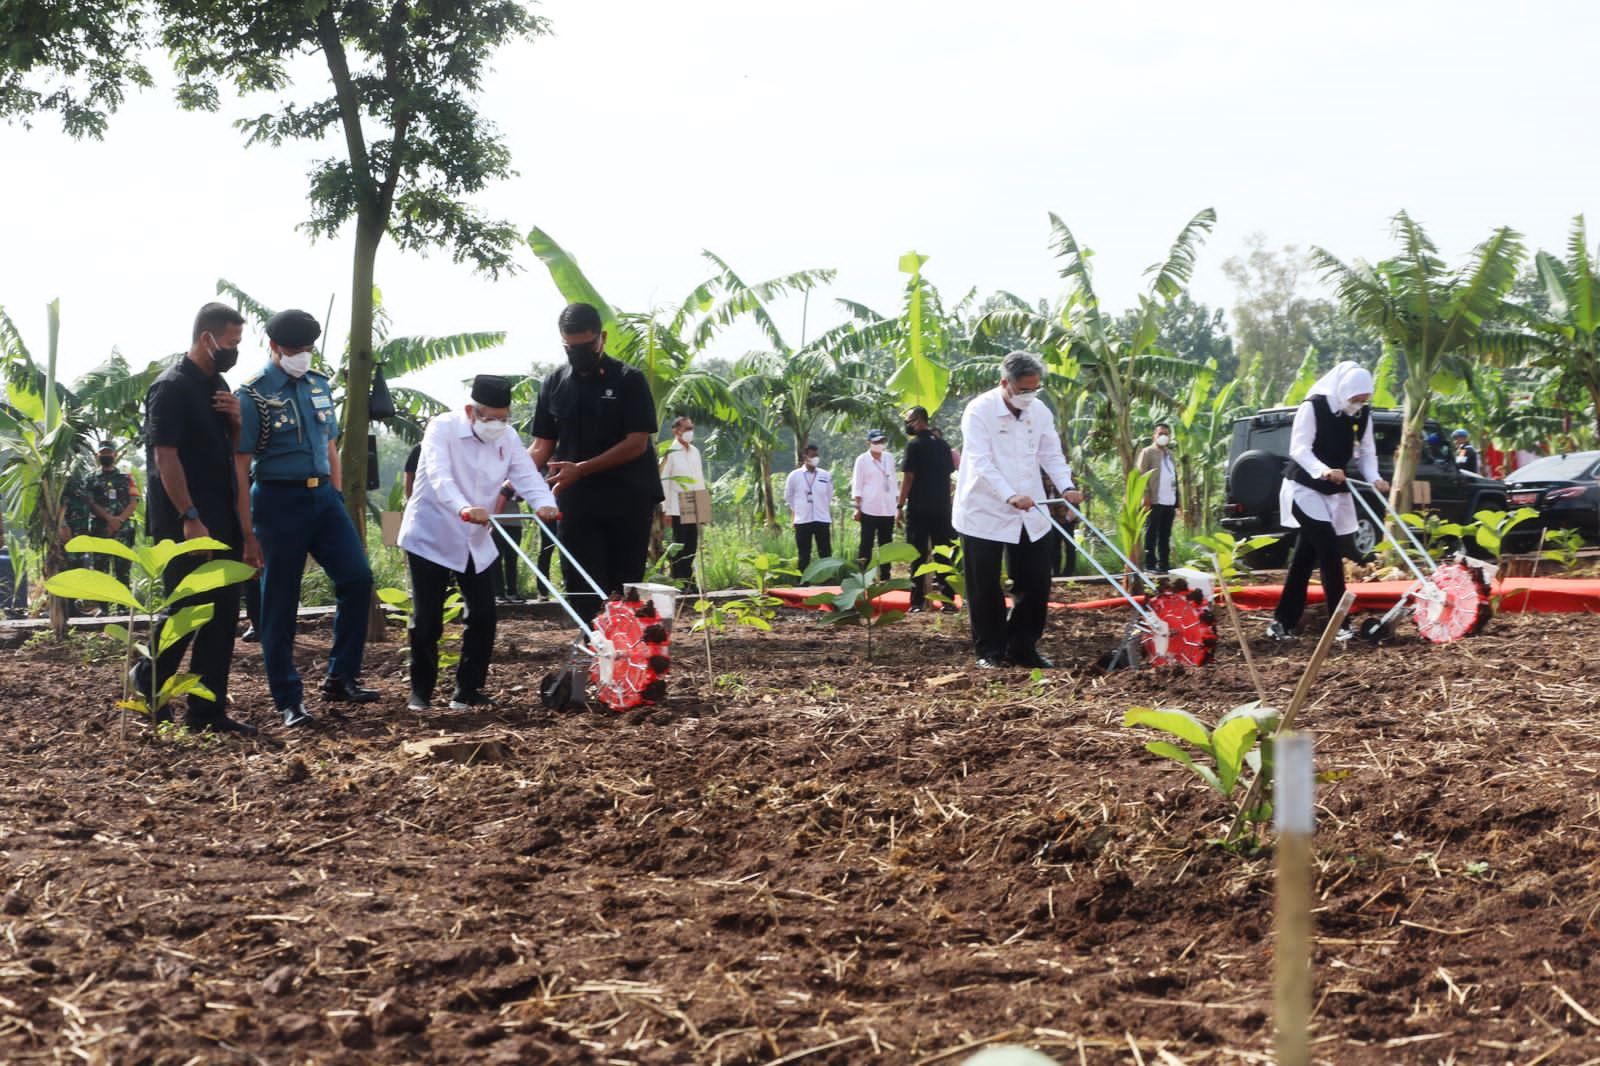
{"type": "Point", "coordinates": [344, 688]}
{"type": "Point", "coordinates": [296, 716]}
{"type": "Point", "coordinates": [1032, 660]}
{"type": "Point", "coordinates": [250, 636]}
{"type": "Point", "coordinates": [470, 701]}
{"type": "Point", "coordinates": [221, 724]}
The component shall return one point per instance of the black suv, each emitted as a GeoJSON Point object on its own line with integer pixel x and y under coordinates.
{"type": "Point", "coordinates": [1260, 450]}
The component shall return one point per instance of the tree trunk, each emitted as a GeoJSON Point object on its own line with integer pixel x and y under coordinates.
{"type": "Point", "coordinates": [1409, 452]}
{"type": "Point", "coordinates": [358, 393]}
{"type": "Point", "coordinates": [1594, 400]}
{"type": "Point", "coordinates": [769, 505]}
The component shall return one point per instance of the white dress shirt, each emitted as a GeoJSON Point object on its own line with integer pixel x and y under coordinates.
{"type": "Point", "coordinates": [874, 483]}
{"type": "Point", "coordinates": [1001, 456]}
{"type": "Point", "coordinates": [1339, 508]}
{"type": "Point", "coordinates": [458, 470]}
{"type": "Point", "coordinates": [809, 494]}
{"type": "Point", "coordinates": [1167, 481]}
{"type": "Point", "coordinates": [680, 462]}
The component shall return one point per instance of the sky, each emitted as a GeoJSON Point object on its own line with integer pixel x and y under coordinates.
{"type": "Point", "coordinates": [843, 134]}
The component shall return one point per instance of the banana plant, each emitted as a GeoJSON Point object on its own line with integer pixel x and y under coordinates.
{"type": "Point", "coordinates": [1117, 366]}
{"type": "Point", "coordinates": [1241, 739]}
{"type": "Point", "coordinates": [151, 562]}
{"type": "Point", "coordinates": [1570, 331]}
{"type": "Point", "coordinates": [1438, 322]}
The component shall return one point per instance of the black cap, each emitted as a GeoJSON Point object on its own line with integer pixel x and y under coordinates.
{"type": "Point", "coordinates": [293, 329]}
{"type": "Point", "coordinates": [876, 435]}
{"type": "Point", "coordinates": [491, 390]}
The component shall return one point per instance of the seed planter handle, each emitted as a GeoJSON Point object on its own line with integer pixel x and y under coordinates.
{"type": "Point", "coordinates": [498, 521]}
{"type": "Point", "coordinates": [1404, 528]}
{"type": "Point", "coordinates": [1144, 612]}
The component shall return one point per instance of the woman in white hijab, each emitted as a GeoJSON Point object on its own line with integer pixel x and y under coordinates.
{"type": "Point", "coordinates": [1332, 428]}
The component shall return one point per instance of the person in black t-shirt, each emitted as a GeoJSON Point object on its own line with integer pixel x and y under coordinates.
{"type": "Point", "coordinates": [592, 428]}
{"type": "Point", "coordinates": [192, 425]}
{"type": "Point", "coordinates": [925, 497]}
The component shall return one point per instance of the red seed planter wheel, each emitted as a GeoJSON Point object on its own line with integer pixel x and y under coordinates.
{"type": "Point", "coordinates": [1466, 608]}
{"type": "Point", "coordinates": [1192, 631]}
{"type": "Point", "coordinates": [641, 656]}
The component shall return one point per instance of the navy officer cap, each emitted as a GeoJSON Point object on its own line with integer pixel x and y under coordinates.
{"type": "Point", "coordinates": [293, 329]}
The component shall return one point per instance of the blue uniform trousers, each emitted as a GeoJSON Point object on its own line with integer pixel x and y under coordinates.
{"type": "Point", "coordinates": [292, 521]}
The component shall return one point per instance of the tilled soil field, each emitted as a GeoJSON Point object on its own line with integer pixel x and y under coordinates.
{"type": "Point", "coordinates": [803, 858]}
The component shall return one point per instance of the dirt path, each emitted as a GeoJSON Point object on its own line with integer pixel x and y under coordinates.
{"type": "Point", "coordinates": [824, 863]}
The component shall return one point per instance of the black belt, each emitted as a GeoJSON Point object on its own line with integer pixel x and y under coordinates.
{"type": "Point", "coordinates": [298, 482]}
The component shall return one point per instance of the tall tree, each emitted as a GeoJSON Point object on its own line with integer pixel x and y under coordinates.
{"type": "Point", "coordinates": [1432, 318]}
{"type": "Point", "coordinates": [403, 76]}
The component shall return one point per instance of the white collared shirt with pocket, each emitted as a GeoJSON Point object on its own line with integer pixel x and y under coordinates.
{"type": "Point", "coordinates": [874, 483]}
{"type": "Point", "coordinates": [455, 470]}
{"type": "Point", "coordinates": [809, 494]}
{"type": "Point", "coordinates": [1002, 455]}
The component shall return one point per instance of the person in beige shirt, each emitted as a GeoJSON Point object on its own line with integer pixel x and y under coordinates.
{"type": "Point", "coordinates": [1161, 496]}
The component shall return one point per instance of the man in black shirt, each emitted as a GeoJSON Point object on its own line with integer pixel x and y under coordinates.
{"type": "Point", "coordinates": [925, 496]}
{"type": "Point", "coordinates": [192, 425]}
{"type": "Point", "coordinates": [592, 428]}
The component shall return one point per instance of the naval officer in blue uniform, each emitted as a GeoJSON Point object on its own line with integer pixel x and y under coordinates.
{"type": "Point", "coordinates": [288, 455]}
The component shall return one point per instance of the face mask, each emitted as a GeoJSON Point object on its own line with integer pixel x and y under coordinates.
{"type": "Point", "coordinates": [877, 449]}
{"type": "Point", "coordinates": [582, 358]}
{"type": "Point", "coordinates": [489, 429]}
{"type": "Point", "coordinates": [911, 431]}
{"type": "Point", "coordinates": [295, 365]}
{"type": "Point", "coordinates": [108, 461]}
{"type": "Point", "coordinates": [687, 436]}
{"type": "Point", "coordinates": [811, 461]}
{"type": "Point", "coordinates": [224, 359]}
{"type": "Point", "coordinates": [1162, 440]}
{"type": "Point", "coordinates": [1022, 400]}
{"type": "Point", "coordinates": [1353, 408]}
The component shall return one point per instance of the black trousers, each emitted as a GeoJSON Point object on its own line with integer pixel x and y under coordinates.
{"type": "Point", "coordinates": [212, 643]}
{"type": "Point", "coordinates": [612, 548]}
{"type": "Point", "coordinates": [924, 531]}
{"type": "Point", "coordinates": [252, 601]}
{"type": "Point", "coordinates": [430, 587]}
{"type": "Point", "coordinates": [805, 533]}
{"type": "Point", "coordinates": [1317, 546]}
{"type": "Point", "coordinates": [997, 634]}
{"type": "Point", "coordinates": [689, 537]}
{"type": "Point", "coordinates": [114, 565]}
{"type": "Point", "coordinates": [875, 530]}
{"type": "Point", "coordinates": [1158, 537]}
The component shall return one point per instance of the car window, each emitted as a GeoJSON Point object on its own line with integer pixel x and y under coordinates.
{"type": "Point", "coordinates": [1271, 439]}
{"type": "Point", "coordinates": [1556, 468]}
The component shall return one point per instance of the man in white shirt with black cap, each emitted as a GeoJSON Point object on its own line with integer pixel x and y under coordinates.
{"type": "Point", "coordinates": [1007, 438]}
{"type": "Point", "coordinates": [876, 491]}
{"type": "Point", "coordinates": [467, 457]}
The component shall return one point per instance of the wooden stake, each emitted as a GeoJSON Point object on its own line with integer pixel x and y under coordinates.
{"type": "Point", "coordinates": [1238, 626]}
{"type": "Point", "coordinates": [1295, 795]}
{"type": "Point", "coordinates": [1301, 691]}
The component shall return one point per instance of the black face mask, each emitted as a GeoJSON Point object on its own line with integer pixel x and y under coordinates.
{"type": "Point", "coordinates": [225, 359]}
{"type": "Point", "coordinates": [108, 461]}
{"type": "Point", "coordinates": [911, 431]}
{"type": "Point", "coordinates": [582, 358]}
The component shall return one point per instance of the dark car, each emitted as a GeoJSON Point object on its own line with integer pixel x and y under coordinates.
{"type": "Point", "coordinates": [1564, 489]}
{"type": "Point", "coordinates": [1259, 451]}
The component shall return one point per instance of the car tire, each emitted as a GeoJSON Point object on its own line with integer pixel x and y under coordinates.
{"type": "Point", "coordinates": [1253, 482]}
{"type": "Point", "coordinates": [1367, 536]}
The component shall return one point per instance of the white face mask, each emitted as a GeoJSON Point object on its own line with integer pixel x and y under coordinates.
{"type": "Point", "coordinates": [687, 436]}
{"type": "Point", "coordinates": [1162, 440]}
{"type": "Point", "coordinates": [811, 461]}
{"type": "Point", "coordinates": [295, 365]}
{"type": "Point", "coordinates": [877, 449]}
{"type": "Point", "coordinates": [1022, 400]}
{"type": "Point", "coordinates": [489, 429]}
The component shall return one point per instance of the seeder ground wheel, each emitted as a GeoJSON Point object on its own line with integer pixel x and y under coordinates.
{"type": "Point", "coordinates": [642, 657]}
{"type": "Point", "coordinates": [1466, 608]}
{"type": "Point", "coordinates": [1192, 630]}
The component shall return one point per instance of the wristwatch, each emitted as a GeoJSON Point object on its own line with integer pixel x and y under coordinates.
{"type": "Point", "coordinates": [192, 514]}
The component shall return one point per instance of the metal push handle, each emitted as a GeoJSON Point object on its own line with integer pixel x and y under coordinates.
{"type": "Point", "coordinates": [549, 586]}
{"type": "Point", "coordinates": [1143, 611]}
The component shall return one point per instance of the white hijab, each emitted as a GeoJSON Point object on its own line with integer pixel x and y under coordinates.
{"type": "Point", "coordinates": [1340, 384]}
